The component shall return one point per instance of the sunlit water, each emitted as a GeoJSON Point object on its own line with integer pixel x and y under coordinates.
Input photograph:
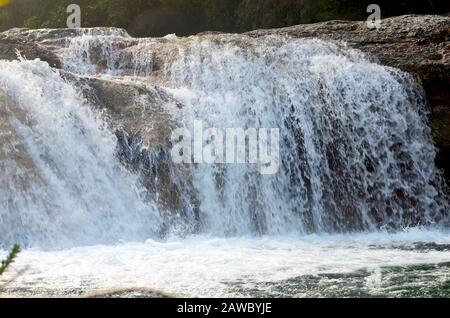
{"type": "Point", "coordinates": [409, 264]}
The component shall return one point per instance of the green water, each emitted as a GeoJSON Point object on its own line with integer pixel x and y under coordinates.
{"type": "Point", "coordinates": [415, 281]}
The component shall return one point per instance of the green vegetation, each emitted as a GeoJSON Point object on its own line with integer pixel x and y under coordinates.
{"type": "Point", "coordinates": [159, 17]}
{"type": "Point", "coordinates": [9, 259]}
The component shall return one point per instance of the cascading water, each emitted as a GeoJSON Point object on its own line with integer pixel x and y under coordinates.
{"type": "Point", "coordinates": [356, 153]}
{"type": "Point", "coordinates": [356, 156]}
{"type": "Point", "coordinates": [61, 183]}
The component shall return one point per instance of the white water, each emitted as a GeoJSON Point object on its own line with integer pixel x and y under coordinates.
{"type": "Point", "coordinates": [356, 153]}
{"type": "Point", "coordinates": [78, 192]}
{"type": "Point", "coordinates": [356, 150]}
{"type": "Point", "coordinates": [216, 267]}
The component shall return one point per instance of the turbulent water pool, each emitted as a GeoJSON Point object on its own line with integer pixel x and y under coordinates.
{"type": "Point", "coordinates": [409, 264]}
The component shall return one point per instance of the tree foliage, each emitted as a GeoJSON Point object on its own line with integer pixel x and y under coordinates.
{"type": "Point", "coordinates": [9, 259]}
{"type": "Point", "coordinates": [159, 17]}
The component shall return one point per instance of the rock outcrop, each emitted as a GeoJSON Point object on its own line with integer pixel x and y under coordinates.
{"type": "Point", "coordinates": [127, 106]}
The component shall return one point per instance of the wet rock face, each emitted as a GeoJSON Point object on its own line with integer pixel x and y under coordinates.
{"type": "Point", "coordinates": [17, 40]}
{"type": "Point", "coordinates": [441, 134]}
{"type": "Point", "coordinates": [416, 44]}
{"type": "Point", "coordinates": [130, 107]}
{"type": "Point", "coordinates": [143, 128]}
{"type": "Point", "coordinates": [167, 184]}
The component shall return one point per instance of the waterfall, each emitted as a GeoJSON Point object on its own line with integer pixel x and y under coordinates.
{"type": "Point", "coordinates": [356, 152]}
{"type": "Point", "coordinates": [61, 183]}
